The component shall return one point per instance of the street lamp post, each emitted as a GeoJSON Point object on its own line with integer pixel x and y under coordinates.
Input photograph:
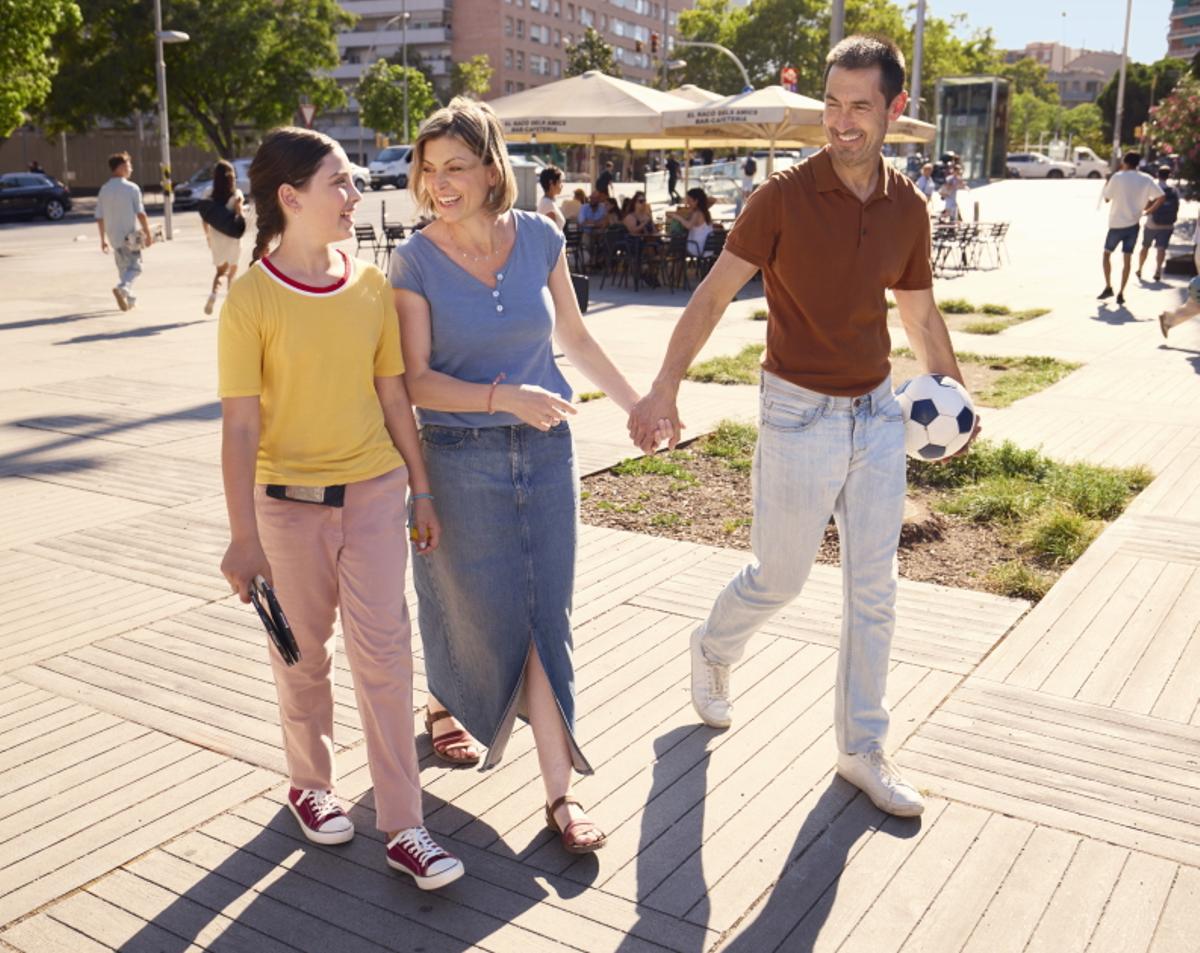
{"type": "Point", "coordinates": [403, 17]}
{"type": "Point", "coordinates": [721, 49]}
{"type": "Point", "coordinates": [162, 37]}
{"type": "Point", "coordinates": [914, 104]}
{"type": "Point", "coordinates": [1116, 153]}
{"type": "Point", "coordinates": [837, 23]}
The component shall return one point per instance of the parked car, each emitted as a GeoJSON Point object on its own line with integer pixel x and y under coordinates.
{"type": "Point", "coordinates": [199, 186]}
{"type": "Point", "coordinates": [1088, 165]}
{"type": "Point", "coordinates": [390, 167]}
{"type": "Point", "coordinates": [1034, 165]}
{"type": "Point", "coordinates": [361, 176]}
{"type": "Point", "coordinates": [28, 194]}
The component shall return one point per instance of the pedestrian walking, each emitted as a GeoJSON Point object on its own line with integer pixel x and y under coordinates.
{"type": "Point", "coordinates": [749, 170]}
{"type": "Point", "coordinates": [925, 184]}
{"type": "Point", "coordinates": [319, 445]}
{"type": "Point", "coordinates": [224, 225]}
{"type": "Point", "coordinates": [605, 180]}
{"type": "Point", "coordinates": [672, 177]}
{"type": "Point", "coordinates": [484, 298]}
{"type": "Point", "coordinates": [1131, 194]}
{"type": "Point", "coordinates": [830, 236]}
{"type": "Point", "coordinates": [551, 181]}
{"type": "Point", "coordinates": [124, 226]}
{"type": "Point", "coordinates": [949, 193]}
{"type": "Point", "coordinates": [1160, 225]}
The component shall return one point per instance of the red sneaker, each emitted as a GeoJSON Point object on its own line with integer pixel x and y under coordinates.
{"type": "Point", "coordinates": [414, 852]}
{"type": "Point", "coordinates": [320, 816]}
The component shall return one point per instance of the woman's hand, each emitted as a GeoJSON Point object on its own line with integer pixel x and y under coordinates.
{"type": "Point", "coordinates": [535, 405]}
{"type": "Point", "coordinates": [424, 528]}
{"type": "Point", "coordinates": [245, 559]}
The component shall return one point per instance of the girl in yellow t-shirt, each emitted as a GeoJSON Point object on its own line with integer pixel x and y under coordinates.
{"type": "Point", "coordinates": [318, 446]}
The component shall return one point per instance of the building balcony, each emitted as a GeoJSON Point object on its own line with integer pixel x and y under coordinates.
{"type": "Point", "coordinates": [417, 36]}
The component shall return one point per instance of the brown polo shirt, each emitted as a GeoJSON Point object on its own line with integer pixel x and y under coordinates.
{"type": "Point", "coordinates": [827, 259]}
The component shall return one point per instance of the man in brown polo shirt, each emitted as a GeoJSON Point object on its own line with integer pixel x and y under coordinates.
{"type": "Point", "coordinates": [830, 236]}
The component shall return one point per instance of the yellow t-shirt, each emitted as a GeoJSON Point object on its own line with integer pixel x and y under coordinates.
{"type": "Point", "coordinates": [311, 355]}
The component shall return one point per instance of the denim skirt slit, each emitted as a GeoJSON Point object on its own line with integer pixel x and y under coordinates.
{"type": "Point", "coordinates": [500, 584]}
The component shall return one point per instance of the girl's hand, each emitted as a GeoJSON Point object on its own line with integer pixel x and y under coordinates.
{"type": "Point", "coordinates": [535, 405]}
{"type": "Point", "coordinates": [245, 559]}
{"type": "Point", "coordinates": [424, 528]}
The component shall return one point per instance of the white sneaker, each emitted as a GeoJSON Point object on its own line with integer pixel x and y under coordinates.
{"type": "Point", "coordinates": [710, 688]}
{"type": "Point", "coordinates": [210, 303]}
{"type": "Point", "coordinates": [876, 776]}
{"type": "Point", "coordinates": [130, 300]}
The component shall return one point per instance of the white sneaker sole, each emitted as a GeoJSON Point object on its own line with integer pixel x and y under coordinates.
{"type": "Point", "coordinates": [707, 719]}
{"type": "Point", "coordinates": [436, 881]}
{"type": "Point", "coordinates": [338, 837]}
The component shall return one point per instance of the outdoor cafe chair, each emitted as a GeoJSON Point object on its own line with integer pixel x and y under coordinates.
{"type": "Point", "coordinates": [365, 236]}
{"type": "Point", "coordinates": [614, 254]}
{"type": "Point", "coordinates": [574, 236]}
{"type": "Point", "coordinates": [673, 262]}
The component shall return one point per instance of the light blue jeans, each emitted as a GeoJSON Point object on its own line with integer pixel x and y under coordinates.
{"type": "Point", "coordinates": [129, 264]}
{"type": "Point", "coordinates": [816, 456]}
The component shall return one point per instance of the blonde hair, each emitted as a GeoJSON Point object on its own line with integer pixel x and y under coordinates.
{"type": "Point", "coordinates": [478, 128]}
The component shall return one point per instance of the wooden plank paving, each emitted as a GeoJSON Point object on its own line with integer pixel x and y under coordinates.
{"type": "Point", "coordinates": [31, 510]}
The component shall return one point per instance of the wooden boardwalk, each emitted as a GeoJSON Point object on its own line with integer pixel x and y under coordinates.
{"type": "Point", "coordinates": [143, 777]}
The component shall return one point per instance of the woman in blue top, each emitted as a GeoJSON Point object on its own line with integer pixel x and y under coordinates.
{"type": "Point", "coordinates": [481, 291]}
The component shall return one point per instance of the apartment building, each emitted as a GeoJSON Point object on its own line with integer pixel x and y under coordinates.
{"type": "Point", "coordinates": [1183, 36]}
{"type": "Point", "coordinates": [525, 42]}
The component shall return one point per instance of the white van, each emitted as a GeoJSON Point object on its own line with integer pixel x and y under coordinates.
{"type": "Point", "coordinates": [1088, 165]}
{"type": "Point", "coordinates": [390, 167]}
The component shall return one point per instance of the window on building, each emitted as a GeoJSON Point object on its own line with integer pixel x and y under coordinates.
{"type": "Point", "coordinates": [557, 38]}
{"type": "Point", "coordinates": [508, 59]}
{"type": "Point", "coordinates": [508, 83]}
{"type": "Point", "coordinates": [520, 61]}
{"type": "Point", "coordinates": [557, 8]}
{"type": "Point", "coordinates": [508, 26]}
{"type": "Point", "coordinates": [557, 68]}
{"type": "Point", "coordinates": [571, 12]}
{"type": "Point", "coordinates": [586, 17]}
{"type": "Point", "coordinates": [521, 29]}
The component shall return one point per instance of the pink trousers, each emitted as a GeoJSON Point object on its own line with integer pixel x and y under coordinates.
{"type": "Point", "coordinates": [352, 558]}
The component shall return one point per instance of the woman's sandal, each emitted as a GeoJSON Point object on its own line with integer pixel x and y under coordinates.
{"type": "Point", "coordinates": [567, 835]}
{"type": "Point", "coordinates": [453, 747]}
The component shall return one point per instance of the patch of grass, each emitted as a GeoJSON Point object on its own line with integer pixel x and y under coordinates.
{"type": "Point", "coordinates": [732, 442]}
{"type": "Point", "coordinates": [659, 464]}
{"type": "Point", "coordinates": [742, 368]}
{"type": "Point", "coordinates": [606, 505]}
{"type": "Point", "coordinates": [986, 460]}
{"type": "Point", "coordinates": [666, 519]}
{"type": "Point", "coordinates": [986, 327]}
{"type": "Point", "coordinates": [760, 315]}
{"type": "Point", "coordinates": [732, 526]}
{"type": "Point", "coordinates": [590, 395]}
{"type": "Point", "coordinates": [994, 309]}
{"type": "Point", "coordinates": [1059, 536]}
{"type": "Point", "coordinates": [1097, 492]}
{"type": "Point", "coordinates": [1007, 320]}
{"type": "Point", "coordinates": [1029, 313]}
{"type": "Point", "coordinates": [956, 306]}
{"type": "Point", "coordinates": [1020, 581]}
{"type": "Point", "coordinates": [585, 494]}
{"type": "Point", "coordinates": [997, 499]}
{"type": "Point", "coordinates": [1025, 376]}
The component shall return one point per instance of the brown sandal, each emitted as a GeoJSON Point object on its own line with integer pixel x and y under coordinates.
{"type": "Point", "coordinates": [446, 745]}
{"type": "Point", "coordinates": [567, 834]}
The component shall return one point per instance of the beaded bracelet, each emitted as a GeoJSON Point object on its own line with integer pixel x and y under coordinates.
{"type": "Point", "coordinates": [420, 496]}
{"type": "Point", "coordinates": [492, 393]}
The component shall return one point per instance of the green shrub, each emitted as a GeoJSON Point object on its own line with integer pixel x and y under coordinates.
{"type": "Point", "coordinates": [742, 368]}
{"type": "Point", "coordinates": [956, 306]}
{"type": "Point", "coordinates": [996, 499]}
{"type": "Point", "coordinates": [1091, 491]}
{"type": "Point", "coordinates": [590, 395]}
{"type": "Point", "coordinates": [994, 309]}
{"type": "Point", "coordinates": [732, 442]}
{"type": "Point", "coordinates": [760, 315]}
{"type": "Point", "coordinates": [985, 327]}
{"type": "Point", "coordinates": [1018, 581]}
{"type": "Point", "coordinates": [1060, 536]}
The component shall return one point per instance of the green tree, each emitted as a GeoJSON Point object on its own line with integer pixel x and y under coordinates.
{"type": "Point", "coordinates": [591, 52]}
{"type": "Point", "coordinates": [380, 95]}
{"type": "Point", "coordinates": [1029, 118]}
{"type": "Point", "coordinates": [1027, 75]}
{"type": "Point", "coordinates": [1085, 125]}
{"type": "Point", "coordinates": [472, 78]}
{"type": "Point", "coordinates": [27, 63]}
{"type": "Point", "coordinates": [1144, 86]}
{"type": "Point", "coordinates": [245, 68]}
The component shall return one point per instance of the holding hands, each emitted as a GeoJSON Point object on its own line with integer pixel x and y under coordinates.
{"type": "Point", "coordinates": [653, 419]}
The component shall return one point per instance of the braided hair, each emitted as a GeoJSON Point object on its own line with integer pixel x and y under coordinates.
{"type": "Point", "coordinates": [288, 155]}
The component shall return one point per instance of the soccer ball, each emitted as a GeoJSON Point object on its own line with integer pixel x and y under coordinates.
{"type": "Point", "coordinates": [1194, 290]}
{"type": "Point", "coordinates": [938, 416]}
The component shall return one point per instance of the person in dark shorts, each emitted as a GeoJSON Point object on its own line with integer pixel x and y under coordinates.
{"type": "Point", "coordinates": [1160, 225]}
{"type": "Point", "coordinates": [1131, 193]}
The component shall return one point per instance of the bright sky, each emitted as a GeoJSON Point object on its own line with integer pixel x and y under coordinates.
{"type": "Point", "coordinates": [1090, 24]}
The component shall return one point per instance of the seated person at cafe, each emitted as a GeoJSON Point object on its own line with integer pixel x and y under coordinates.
{"type": "Point", "coordinates": [570, 207]}
{"type": "Point", "coordinates": [636, 215]}
{"type": "Point", "coordinates": [696, 219]}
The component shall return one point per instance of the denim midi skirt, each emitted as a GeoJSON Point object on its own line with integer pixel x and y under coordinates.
{"type": "Point", "coordinates": [501, 582]}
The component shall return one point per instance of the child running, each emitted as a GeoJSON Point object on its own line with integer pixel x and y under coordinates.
{"type": "Point", "coordinates": [317, 434]}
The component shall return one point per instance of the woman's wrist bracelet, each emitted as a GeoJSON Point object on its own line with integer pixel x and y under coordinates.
{"type": "Point", "coordinates": [420, 496]}
{"type": "Point", "coordinates": [492, 393]}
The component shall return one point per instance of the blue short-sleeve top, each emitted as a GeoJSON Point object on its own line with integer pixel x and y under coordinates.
{"type": "Point", "coordinates": [479, 332]}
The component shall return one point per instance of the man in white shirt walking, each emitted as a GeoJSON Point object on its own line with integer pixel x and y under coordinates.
{"type": "Point", "coordinates": [1131, 193]}
{"type": "Point", "coordinates": [120, 215]}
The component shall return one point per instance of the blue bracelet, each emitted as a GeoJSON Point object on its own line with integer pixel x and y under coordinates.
{"type": "Point", "coordinates": [421, 496]}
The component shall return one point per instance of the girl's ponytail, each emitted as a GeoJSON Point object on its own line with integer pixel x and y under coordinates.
{"type": "Point", "coordinates": [288, 156]}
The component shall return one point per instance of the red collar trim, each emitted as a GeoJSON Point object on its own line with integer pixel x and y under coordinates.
{"type": "Point", "coordinates": [310, 289]}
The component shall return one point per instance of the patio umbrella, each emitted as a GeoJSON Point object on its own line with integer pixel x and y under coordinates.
{"type": "Point", "coordinates": [591, 107]}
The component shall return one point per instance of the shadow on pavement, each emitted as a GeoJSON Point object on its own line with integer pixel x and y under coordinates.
{"type": "Point", "coordinates": [57, 319]}
{"type": "Point", "coordinates": [142, 332]}
{"type": "Point", "coordinates": [1113, 314]}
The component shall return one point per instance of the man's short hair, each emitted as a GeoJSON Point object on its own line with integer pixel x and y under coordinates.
{"type": "Point", "coordinates": [863, 51]}
{"type": "Point", "coordinates": [118, 159]}
{"type": "Point", "coordinates": [1164, 171]}
{"type": "Point", "coordinates": [1131, 160]}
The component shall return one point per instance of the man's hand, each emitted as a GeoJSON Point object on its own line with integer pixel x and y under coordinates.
{"type": "Point", "coordinates": [653, 415]}
{"type": "Point", "coordinates": [967, 446]}
{"type": "Point", "coordinates": [103, 246]}
{"type": "Point", "coordinates": [148, 239]}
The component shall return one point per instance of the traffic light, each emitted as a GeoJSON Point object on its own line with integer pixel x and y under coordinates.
{"type": "Point", "coordinates": [653, 44]}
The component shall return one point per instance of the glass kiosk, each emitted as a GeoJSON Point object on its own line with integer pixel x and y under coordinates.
{"type": "Point", "coordinates": [972, 121]}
